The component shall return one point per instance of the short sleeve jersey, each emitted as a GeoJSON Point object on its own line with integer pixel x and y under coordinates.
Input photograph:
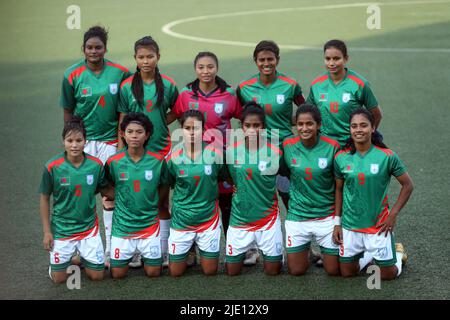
{"type": "Point", "coordinates": [160, 140]}
{"type": "Point", "coordinates": [337, 101]}
{"type": "Point", "coordinates": [366, 183]}
{"type": "Point", "coordinates": [311, 194]}
{"type": "Point", "coordinates": [73, 189]}
{"type": "Point", "coordinates": [255, 203]}
{"type": "Point", "coordinates": [136, 188]}
{"type": "Point", "coordinates": [276, 99]}
{"type": "Point", "coordinates": [194, 202]}
{"type": "Point", "coordinates": [217, 107]}
{"type": "Point", "coordinates": [94, 97]}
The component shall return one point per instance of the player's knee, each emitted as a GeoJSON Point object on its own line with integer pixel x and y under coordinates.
{"type": "Point", "coordinates": [297, 271]}
{"type": "Point", "coordinates": [118, 273]}
{"type": "Point", "coordinates": [388, 274]}
{"type": "Point", "coordinates": [96, 276]}
{"type": "Point", "coordinates": [332, 270]}
{"type": "Point", "coordinates": [210, 271]}
{"type": "Point", "coordinates": [272, 270]}
{"type": "Point", "coordinates": [153, 273]}
{"type": "Point", "coordinates": [59, 277]}
{"type": "Point", "coordinates": [347, 273]}
{"type": "Point", "coordinates": [233, 271]}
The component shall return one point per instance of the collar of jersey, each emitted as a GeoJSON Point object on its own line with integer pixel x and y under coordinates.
{"type": "Point", "coordinates": [365, 155]}
{"type": "Point", "coordinates": [71, 164]}
{"type": "Point", "coordinates": [92, 72]}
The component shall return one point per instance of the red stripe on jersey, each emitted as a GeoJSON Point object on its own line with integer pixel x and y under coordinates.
{"type": "Point", "coordinates": [118, 66]}
{"type": "Point", "coordinates": [292, 82]}
{"type": "Point", "coordinates": [356, 79]}
{"type": "Point", "coordinates": [342, 151]}
{"type": "Point", "coordinates": [174, 154]}
{"type": "Point", "coordinates": [291, 141]}
{"type": "Point", "coordinates": [334, 143]}
{"type": "Point", "coordinates": [165, 151]}
{"type": "Point", "coordinates": [274, 148]}
{"type": "Point", "coordinates": [319, 79]}
{"type": "Point", "coordinates": [112, 142]}
{"type": "Point", "coordinates": [215, 150]}
{"type": "Point", "coordinates": [248, 82]}
{"type": "Point", "coordinates": [272, 214]}
{"type": "Point", "coordinates": [168, 79]}
{"type": "Point", "coordinates": [385, 150]}
{"type": "Point", "coordinates": [158, 156]}
{"type": "Point", "coordinates": [95, 159]}
{"type": "Point", "coordinates": [83, 235]}
{"type": "Point", "coordinates": [214, 222]}
{"type": "Point", "coordinates": [127, 80]}
{"type": "Point", "coordinates": [382, 217]}
{"type": "Point", "coordinates": [76, 73]}
{"type": "Point", "coordinates": [55, 163]}
{"type": "Point", "coordinates": [116, 157]}
{"type": "Point", "coordinates": [145, 233]}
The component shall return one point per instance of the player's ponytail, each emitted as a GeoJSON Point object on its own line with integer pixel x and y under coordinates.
{"type": "Point", "coordinates": [376, 138]}
{"type": "Point", "coordinates": [137, 87]}
{"type": "Point", "coordinates": [159, 87]}
{"type": "Point", "coordinates": [74, 124]}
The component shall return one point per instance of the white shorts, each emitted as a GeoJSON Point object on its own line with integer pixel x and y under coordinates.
{"type": "Point", "coordinates": [270, 242]}
{"type": "Point", "coordinates": [123, 250]}
{"type": "Point", "coordinates": [380, 247]}
{"type": "Point", "coordinates": [283, 184]}
{"type": "Point", "coordinates": [299, 235]}
{"type": "Point", "coordinates": [90, 249]}
{"type": "Point", "coordinates": [100, 149]}
{"type": "Point", "coordinates": [208, 243]}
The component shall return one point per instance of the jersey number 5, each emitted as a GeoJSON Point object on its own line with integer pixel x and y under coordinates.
{"type": "Point", "coordinates": [308, 172]}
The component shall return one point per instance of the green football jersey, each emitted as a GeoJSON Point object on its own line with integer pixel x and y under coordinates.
{"type": "Point", "coordinates": [337, 101]}
{"type": "Point", "coordinates": [136, 188]}
{"type": "Point", "coordinates": [255, 203]}
{"type": "Point", "coordinates": [73, 189]}
{"type": "Point", "coordinates": [276, 99]}
{"type": "Point", "coordinates": [194, 202]}
{"type": "Point", "coordinates": [311, 194]}
{"type": "Point", "coordinates": [94, 97]}
{"type": "Point", "coordinates": [160, 139]}
{"type": "Point", "coordinates": [366, 183]}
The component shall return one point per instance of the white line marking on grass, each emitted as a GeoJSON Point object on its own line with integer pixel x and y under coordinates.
{"type": "Point", "coordinates": [167, 28]}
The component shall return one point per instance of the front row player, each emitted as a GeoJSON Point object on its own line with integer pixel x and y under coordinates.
{"type": "Point", "coordinates": [139, 176]}
{"type": "Point", "coordinates": [194, 170]}
{"type": "Point", "coordinates": [363, 172]}
{"type": "Point", "coordinates": [74, 178]}
{"type": "Point", "coordinates": [310, 157]}
{"type": "Point", "coordinates": [253, 165]}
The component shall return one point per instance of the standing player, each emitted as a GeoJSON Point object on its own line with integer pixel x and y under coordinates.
{"type": "Point", "coordinates": [253, 165]}
{"type": "Point", "coordinates": [218, 103]}
{"type": "Point", "coordinates": [309, 157]}
{"type": "Point", "coordinates": [339, 91]}
{"type": "Point", "coordinates": [138, 176]}
{"type": "Point", "coordinates": [276, 93]}
{"type": "Point", "coordinates": [74, 178]}
{"type": "Point", "coordinates": [363, 173]}
{"type": "Point", "coordinates": [152, 93]}
{"type": "Point", "coordinates": [90, 89]}
{"type": "Point", "coordinates": [194, 170]}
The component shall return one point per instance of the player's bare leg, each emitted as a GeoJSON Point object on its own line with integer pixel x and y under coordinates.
{"type": "Point", "coordinates": [209, 266]}
{"type": "Point", "coordinates": [95, 275]}
{"type": "Point", "coordinates": [177, 269]}
{"type": "Point", "coordinates": [119, 273]}
{"type": "Point", "coordinates": [59, 276]}
{"type": "Point", "coordinates": [298, 263]}
{"type": "Point", "coordinates": [233, 269]}
{"type": "Point", "coordinates": [331, 264]}
{"type": "Point", "coordinates": [272, 268]}
{"type": "Point", "coordinates": [349, 269]}
{"type": "Point", "coordinates": [152, 271]}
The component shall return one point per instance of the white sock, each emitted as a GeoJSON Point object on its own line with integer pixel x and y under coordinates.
{"type": "Point", "coordinates": [165, 231]}
{"type": "Point", "coordinates": [398, 264]}
{"type": "Point", "coordinates": [365, 260]}
{"type": "Point", "coordinates": [107, 221]}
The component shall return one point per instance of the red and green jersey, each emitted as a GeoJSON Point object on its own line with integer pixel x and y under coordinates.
{"type": "Point", "coordinates": [194, 202]}
{"type": "Point", "coordinates": [276, 99]}
{"type": "Point", "coordinates": [74, 206]}
{"type": "Point", "coordinates": [136, 188]}
{"type": "Point", "coordinates": [217, 107]}
{"type": "Point", "coordinates": [255, 203]}
{"type": "Point", "coordinates": [311, 195]}
{"type": "Point", "coordinates": [94, 97]}
{"type": "Point", "coordinates": [366, 183]}
{"type": "Point", "coordinates": [337, 101]}
{"type": "Point", "coordinates": [160, 140]}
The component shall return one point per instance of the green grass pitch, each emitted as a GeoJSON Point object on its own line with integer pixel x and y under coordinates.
{"type": "Point", "coordinates": [408, 67]}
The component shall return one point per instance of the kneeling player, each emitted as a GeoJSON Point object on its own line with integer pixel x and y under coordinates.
{"type": "Point", "coordinates": [363, 171]}
{"type": "Point", "coordinates": [138, 176]}
{"type": "Point", "coordinates": [74, 178]}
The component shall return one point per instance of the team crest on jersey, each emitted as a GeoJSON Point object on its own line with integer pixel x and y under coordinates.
{"type": "Point", "coordinates": [86, 91]}
{"type": "Point", "coordinates": [262, 165]}
{"type": "Point", "coordinates": [113, 88]}
{"type": "Point", "coordinates": [374, 168]}
{"type": "Point", "coordinates": [323, 97]}
{"type": "Point", "coordinates": [208, 169]}
{"type": "Point", "coordinates": [123, 176]}
{"type": "Point", "coordinates": [295, 162]}
{"type": "Point", "coordinates": [90, 179]}
{"type": "Point", "coordinates": [346, 97]}
{"type": "Point", "coordinates": [154, 251]}
{"type": "Point", "coordinates": [65, 181]}
{"type": "Point", "coordinates": [218, 108]}
{"type": "Point", "coordinates": [280, 98]}
{"type": "Point", "coordinates": [148, 175]}
{"type": "Point", "coordinates": [348, 169]}
{"type": "Point", "coordinates": [323, 162]}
